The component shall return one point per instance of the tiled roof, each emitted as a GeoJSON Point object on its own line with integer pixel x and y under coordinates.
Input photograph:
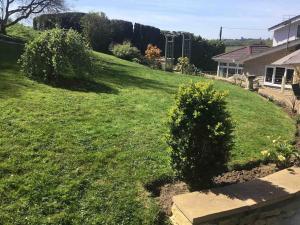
{"type": "Point", "coordinates": [291, 59]}
{"type": "Point", "coordinates": [240, 54]}
{"type": "Point", "coordinates": [293, 45]}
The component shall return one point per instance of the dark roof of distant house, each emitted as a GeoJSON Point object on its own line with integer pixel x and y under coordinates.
{"type": "Point", "coordinates": [284, 23]}
{"type": "Point", "coordinates": [292, 44]}
{"type": "Point", "coordinates": [241, 53]}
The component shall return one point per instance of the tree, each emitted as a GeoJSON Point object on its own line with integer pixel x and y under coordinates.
{"type": "Point", "coordinates": [97, 30]}
{"type": "Point", "coordinates": [65, 20]}
{"type": "Point", "coordinates": [202, 52]}
{"type": "Point", "coordinates": [13, 11]}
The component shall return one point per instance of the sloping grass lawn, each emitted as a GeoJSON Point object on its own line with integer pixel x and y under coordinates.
{"type": "Point", "coordinates": [82, 153]}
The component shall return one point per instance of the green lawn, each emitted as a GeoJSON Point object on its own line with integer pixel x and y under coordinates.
{"type": "Point", "coordinates": [82, 154]}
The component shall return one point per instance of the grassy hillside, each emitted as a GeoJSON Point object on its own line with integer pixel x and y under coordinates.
{"type": "Point", "coordinates": [82, 153]}
{"type": "Point", "coordinates": [21, 32]}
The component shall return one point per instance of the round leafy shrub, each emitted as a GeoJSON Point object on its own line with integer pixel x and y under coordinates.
{"type": "Point", "coordinates": [152, 55]}
{"type": "Point", "coordinates": [126, 51]}
{"type": "Point", "coordinates": [185, 67]}
{"type": "Point", "coordinates": [200, 133]}
{"type": "Point", "coordinates": [56, 54]}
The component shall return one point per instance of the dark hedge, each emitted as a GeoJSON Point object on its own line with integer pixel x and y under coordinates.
{"type": "Point", "coordinates": [140, 35]}
{"type": "Point", "coordinates": [66, 20]}
{"type": "Point", "coordinates": [121, 31]}
{"type": "Point", "coordinates": [144, 35]}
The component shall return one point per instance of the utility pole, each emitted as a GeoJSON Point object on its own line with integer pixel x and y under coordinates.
{"type": "Point", "coordinates": [221, 33]}
{"type": "Point", "coordinates": [183, 45]}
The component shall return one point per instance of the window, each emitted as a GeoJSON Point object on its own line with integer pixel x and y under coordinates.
{"type": "Point", "coordinates": [232, 65]}
{"type": "Point", "coordinates": [274, 75]}
{"type": "Point", "coordinates": [223, 64]}
{"type": "Point", "coordinates": [269, 75]}
{"type": "Point", "coordinates": [223, 72]}
{"type": "Point", "coordinates": [279, 73]}
{"type": "Point", "coordinates": [298, 31]}
{"type": "Point", "coordinates": [231, 72]}
{"type": "Point", "coordinates": [289, 76]}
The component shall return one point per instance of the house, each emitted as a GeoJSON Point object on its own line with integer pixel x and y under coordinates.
{"type": "Point", "coordinates": [286, 40]}
{"type": "Point", "coordinates": [288, 30]}
{"type": "Point", "coordinates": [231, 63]}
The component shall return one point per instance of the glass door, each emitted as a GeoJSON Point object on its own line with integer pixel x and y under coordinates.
{"type": "Point", "coordinates": [274, 75]}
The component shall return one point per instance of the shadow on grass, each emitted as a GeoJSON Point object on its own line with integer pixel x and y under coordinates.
{"type": "Point", "coordinates": [84, 85]}
{"type": "Point", "coordinates": [125, 79]}
{"type": "Point", "coordinates": [129, 76]}
{"type": "Point", "coordinates": [11, 84]}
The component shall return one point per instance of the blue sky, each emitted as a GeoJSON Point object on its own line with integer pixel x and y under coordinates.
{"type": "Point", "coordinates": [202, 17]}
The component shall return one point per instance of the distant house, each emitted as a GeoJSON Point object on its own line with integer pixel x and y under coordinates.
{"type": "Point", "coordinates": [232, 62]}
{"type": "Point", "coordinates": [286, 40]}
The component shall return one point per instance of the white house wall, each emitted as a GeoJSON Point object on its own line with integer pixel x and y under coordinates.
{"type": "Point", "coordinates": [281, 35]}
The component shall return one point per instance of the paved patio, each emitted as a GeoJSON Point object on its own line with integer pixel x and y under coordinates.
{"type": "Point", "coordinates": [287, 97]}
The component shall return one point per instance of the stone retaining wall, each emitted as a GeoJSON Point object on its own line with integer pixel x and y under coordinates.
{"type": "Point", "coordinates": [273, 200]}
{"type": "Point", "coordinates": [284, 213]}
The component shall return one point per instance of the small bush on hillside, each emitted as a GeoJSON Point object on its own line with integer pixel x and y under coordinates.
{"type": "Point", "coordinates": [55, 54]}
{"type": "Point", "coordinates": [185, 67]}
{"type": "Point", "coordinates": [137, 60]}
{"type": "Point", "coordinates": [200, 133]}
{"type": "Point", "coordinates": [152, 55]}
{"type": "Point", "coordinates": [126, 51]}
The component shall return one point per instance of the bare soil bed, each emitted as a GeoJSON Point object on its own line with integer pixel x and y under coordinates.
{"type": "Point", "coordinates": [167, 191]}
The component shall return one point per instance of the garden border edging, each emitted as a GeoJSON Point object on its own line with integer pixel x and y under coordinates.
{"type": "Point", "coordinates": [214, 206]}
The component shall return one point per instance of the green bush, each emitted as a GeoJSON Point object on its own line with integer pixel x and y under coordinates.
{"type": "Point", "coordinates": [126, 51]}
{"type": "Point", "coordinates": [55, 54]}
{"type": "Point", "coordinates": [200, 133]}
{"type": "Point", "coordinates": [185, 67]}
{"type": "Point", "coordinates": [65, 20]}
{"type": "Point", "coordinates": [281, 152]}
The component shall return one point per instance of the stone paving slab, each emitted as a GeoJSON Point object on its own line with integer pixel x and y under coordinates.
{"type": "Point", "coordinates": [200, 207]}
{"type": "Point", "coordinates": [286, 97]}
